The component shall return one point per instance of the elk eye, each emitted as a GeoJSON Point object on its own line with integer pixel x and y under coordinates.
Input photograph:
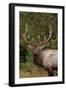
{"type": "Point", "coordinates": [35, 55]}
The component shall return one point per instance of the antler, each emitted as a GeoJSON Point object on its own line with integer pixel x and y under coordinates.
{"type": "Point", "coordinates": [41, 43]}
{"type": "Point", "coordinates": [50, 34]}
{"type": "Point", "coordinates": [26, 37]}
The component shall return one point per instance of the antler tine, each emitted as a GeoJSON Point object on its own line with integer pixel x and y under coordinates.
{"type": "Point", "coordinates": [50, 34]}
{"type": "Point", "coordinates": [26, 27]}
{"type": "Point", "coordinates": [39, 40]}
{"type": "Point", "coordinates": [24, 34]}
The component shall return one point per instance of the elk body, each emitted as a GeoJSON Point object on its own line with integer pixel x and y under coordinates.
{"type": "Point", "coordinates": [46, 58]}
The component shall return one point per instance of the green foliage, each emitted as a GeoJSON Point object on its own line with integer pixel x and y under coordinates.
{"type": "Point", "coordinates": [53, 44]}
{"type": "Point", "coordinates": [23, 53]}
{"type": "Point", "coordinates": [38, 24]}
{"type": "Point", "coordinates": [27, 65]}
{"type": "Point", "coordinates": [29, 56]}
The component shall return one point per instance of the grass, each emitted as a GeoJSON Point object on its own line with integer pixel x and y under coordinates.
{"type": "Point", "coordinates": [29, 69]}
{"type": "Point", "coordinates": [27, 65]}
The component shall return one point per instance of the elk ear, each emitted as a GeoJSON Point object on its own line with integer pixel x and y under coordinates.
{"type": "Point", "coordinates": [41, 47]}
{"type": "Point", "coordinates": [44, 46]}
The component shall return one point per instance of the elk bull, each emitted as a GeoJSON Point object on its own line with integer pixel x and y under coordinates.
{"type": "Point", "coordinates": [46, 58]}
